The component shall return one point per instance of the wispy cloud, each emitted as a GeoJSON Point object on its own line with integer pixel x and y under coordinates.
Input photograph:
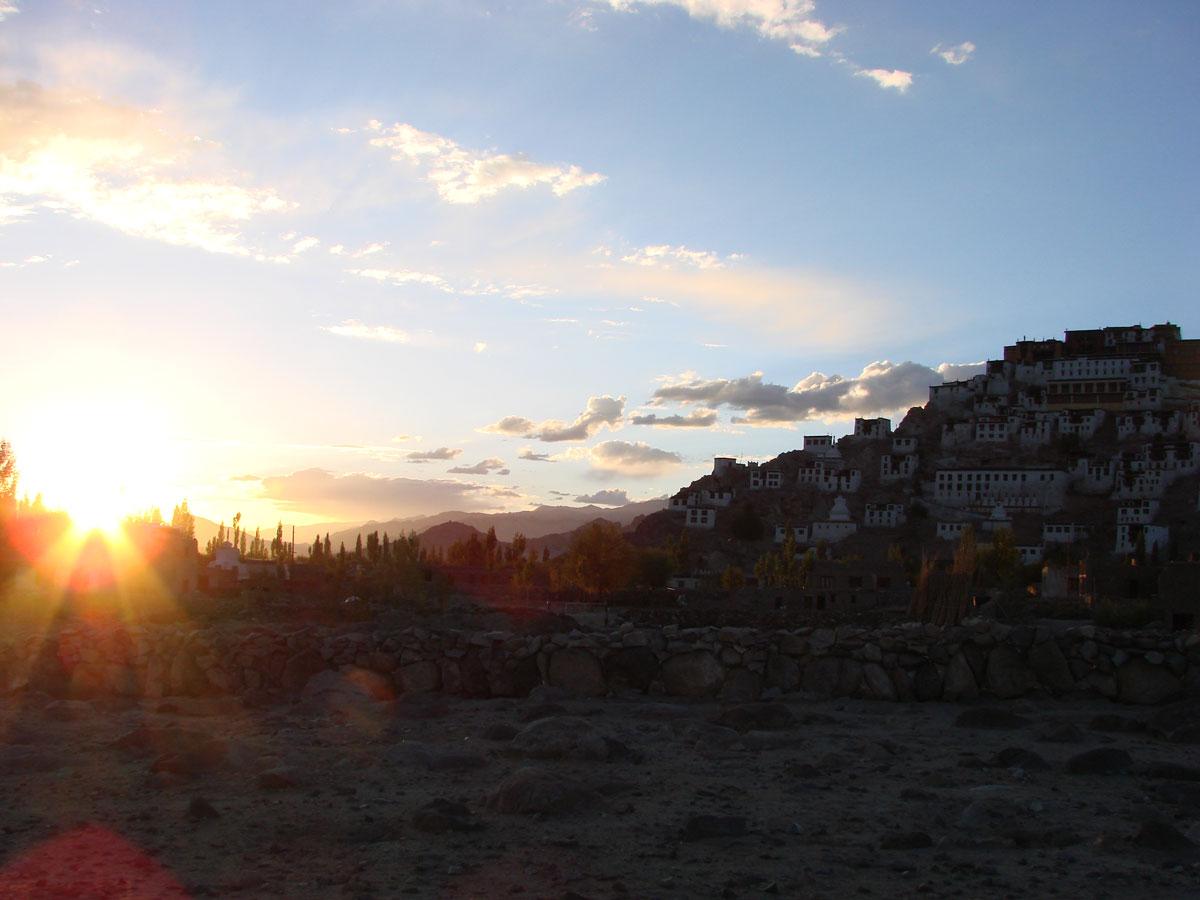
{"type": "Point", "coordinates": [789, 21]}
{"type": "Point", "coordinates": [441, 453]}
{"type": "Point", "coordinates": [367, 250]}
{"type": "Point", "coordinates": [402, 277]}
{"type": "Point", "coordinates": [699, 418]}
{"type": "Point", "coordinates": [352, 328]}
{"type": "Point", "coordinates": [528, 453]}
{"type": "Point", "coordinates": [893, 79]}
{"type": "Point", "coordinates": [483, 467]}
{"type": "Point", "coordinates": [7, 9]}
{"type": "Point", "coordinates": [130, 169]}
{"type": "Point", "coordinates": [601, 412]}
{"type": "Point", "coordinates": [664, 256]}
{"type": "Point", "coordinates": [608, 497]}
{"type": "Point", "coordinates": [461, 175]}
{"type": "Point", "coordinates": [955, 55]}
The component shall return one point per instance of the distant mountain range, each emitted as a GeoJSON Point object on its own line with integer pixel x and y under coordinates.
{"type": "Point", "coordinates": [539, 522]}
{"type": "Point", "coordinates": [542, 525]}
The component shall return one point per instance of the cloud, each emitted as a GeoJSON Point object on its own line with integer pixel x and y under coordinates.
{"type": "Point", "coordinates": [480, 346]}
{"type": "Point", "coordinates": [468, 176]}
{"type": "Point", "coordinates": [352, 328]}
{"type": "Point", "coordinates": [880, 387]}
{"type": "Point", "coordinates": [483, 467]}
{"type": "Point", "coordinates": [956, 55]}
{"type": "Point", "coordinates": [600, 412]}
{"type": "Point", "coordinates": [402, 277]}
{"type": "Point", "coordinates": [130, 169]}
{"type": "Point", "coordinates": [894, 79]}
{"type": "Point", "coordinates": [428, 455]}
{"type": "Point", "coordinates": [699, 418]}
{"type": "Point", "coordinates": [368, 250]}
{"type": "Point", "coordinates": [960, 371]}
{"type": "Point", "coordinates": [789, 21]}
{"type": "Point", "coordinates": [630, 459]}
{"type": "Point", "coordinates": [305, 244]}
{"type": "Point", "coordinates": [7, 9]}
{"type": "Point", "coordinates": [610, 497]}
{"type": "Point", "coordinates": [664, 256]}
{"type": "Point", "coordinates": [528, 453]}
{"type": "Point", "coordinates": [513, 426]}
{"type": "Point", "coordinates": [362, 496]}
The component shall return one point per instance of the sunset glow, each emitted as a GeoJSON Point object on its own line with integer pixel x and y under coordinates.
{"type": "Point", "coordinates": [100, 461]}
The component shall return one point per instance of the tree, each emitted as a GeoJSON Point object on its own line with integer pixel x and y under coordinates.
{"type": "Point", "coordinates": [1000, 564]}
{"type": "Point", "coordinates": [732, 578]}
{"type": "Point", "coordinates": [183, 520]}
{"type": "Point", "coordinates": [328, 547]}
{"type": "Point", "coordinates": [358, 548]}
{"type": "Point", "coordinates": [237, 531]}
{"type": "Point", "coordinates": [599, 560]}
{"type": "Point", "coordinates": [278, 548]}
{"type": "Point", "coordinates": [654, 567]}
{"type": "Point", "coordinates": [8, 475]}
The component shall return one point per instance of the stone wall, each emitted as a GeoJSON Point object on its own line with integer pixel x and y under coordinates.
{"type": "Point", "coordinates": [897, 663]}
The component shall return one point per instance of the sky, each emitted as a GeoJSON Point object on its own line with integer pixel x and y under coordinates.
{"type": "Point", "coordinates": [333, 262]}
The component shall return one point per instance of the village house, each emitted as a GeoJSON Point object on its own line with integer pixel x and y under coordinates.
{"type": "Point", "coordinates": [1064, 532]}
{"type": "Point", "coordinates": [1154, 538]}
{"type": "Point", "coordinates": [848, 585]}
{"type": "Point", "coordinates": [873, 429]}
{"type": "Point", "coordinates": [701, 518]}
{"type": "Point", "coordinates": [820, 445]}
{"type": "Point", "coordinates": [884, 515]}
{"type": "Point", "coordinates": [799, 534]}
{"type": "Point", "coordinates": [897, 468]}
{"type": "Point", "coordinates": [974, 487]}
{"type": "Point", "coordinates": [765, 479]}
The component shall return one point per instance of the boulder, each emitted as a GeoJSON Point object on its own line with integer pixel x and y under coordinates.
{"type": "Point", "coordinates": [741, 685]}
{"type": "Point", "coordinates": [534, 790]}
{"type": "Point", "coordinates": [783, 672]}
{"type": "Point", "coordinates": [560, 737]}
{"type": "Point", "coordinates": [1008, 674]}
{"type": "Point", "coordinates": [439, 816]}
{"type": "Point", "coordinates": [927, 683]}
{"type": "Point", "coordinates": [695, 673]}
{"type": "Point", "coordinates": [756, 717]}
{"type": "Point", "coordinates": [822, 676]}
{"type": "Point", "coordinates": [1101, 761]}
{"type": "Point", "coordinates": [578, 671]}
{"type": "Point", "coordinates": [350, 684]}
{"type": "Point", "coordinates": [1141, 682]}
{"type": "Point", "coordinates": [959, 682]}
{"type": "Point", "coordinates": [878, 684]}
{"type": "Point", "coordinates": [300, 668]}
{"type": "Point", "coordinates": [421, 677]}
{"type": "Point", "coordinates": [1050, 667]}
{"type": "Point", "coordinates": [630, 667]}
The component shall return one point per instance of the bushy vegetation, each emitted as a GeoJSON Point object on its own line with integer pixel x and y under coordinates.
{"type": "Point", "coordinates": [1123, 613]}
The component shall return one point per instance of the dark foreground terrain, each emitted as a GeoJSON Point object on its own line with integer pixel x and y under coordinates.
{"type": "Point", "coordinates": [337, 795]}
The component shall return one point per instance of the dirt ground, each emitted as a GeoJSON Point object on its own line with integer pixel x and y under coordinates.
{"type": "Point", "coordinates": [340, 796]}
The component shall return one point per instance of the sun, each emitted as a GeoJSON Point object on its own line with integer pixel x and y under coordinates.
{"type": "Point", "coordinates": [99, 462]}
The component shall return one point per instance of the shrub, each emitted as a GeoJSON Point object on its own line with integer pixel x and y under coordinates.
{"type": "Point", "coordinates": [1123, 614]}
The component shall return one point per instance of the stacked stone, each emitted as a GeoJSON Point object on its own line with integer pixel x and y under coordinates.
{"type": "Point", "coordinates": [906, 662]}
